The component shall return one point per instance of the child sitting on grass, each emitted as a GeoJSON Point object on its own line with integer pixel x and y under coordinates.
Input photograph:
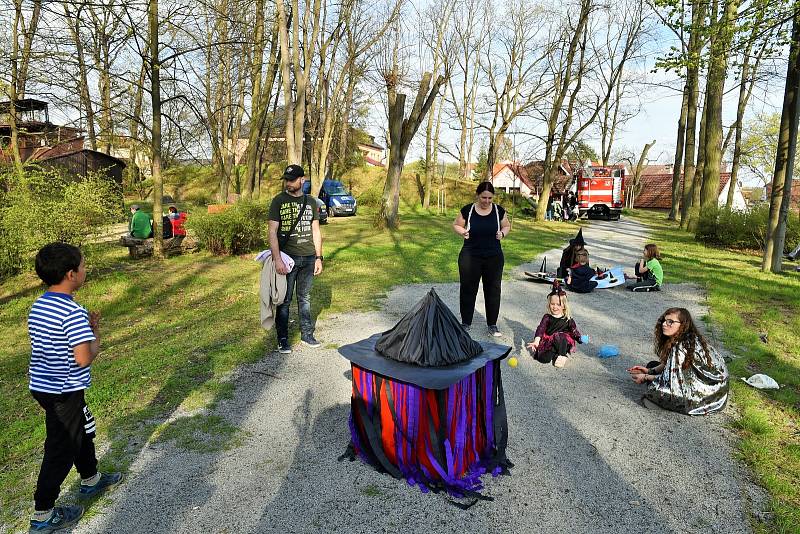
{"type": "Point", "coordinates": [64, 343]}
{"type": "Point", "coordinates": [557, 334]}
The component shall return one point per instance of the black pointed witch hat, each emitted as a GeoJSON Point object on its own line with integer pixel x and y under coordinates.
{"type": "Point", "coordinates": [429, 335]}
{"type": "Point", "coordinates": [578, 239]}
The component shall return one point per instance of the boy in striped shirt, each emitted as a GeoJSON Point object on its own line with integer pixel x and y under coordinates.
{"type": "Point", "coordinates": [64, 343]}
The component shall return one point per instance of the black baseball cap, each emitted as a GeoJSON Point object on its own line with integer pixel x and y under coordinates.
{"type": "Point", "coordinates": [293, 172]}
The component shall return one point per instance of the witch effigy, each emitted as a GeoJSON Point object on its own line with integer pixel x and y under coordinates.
{"type": "Point", "coordinates": [427, 402]}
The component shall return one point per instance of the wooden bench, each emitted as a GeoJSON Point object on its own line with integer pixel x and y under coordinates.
{"type": "Point", "coordinates": [140, 248]}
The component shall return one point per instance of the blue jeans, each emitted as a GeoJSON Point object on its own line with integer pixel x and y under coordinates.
{"type": "Point", "coordinates": [301, 277]}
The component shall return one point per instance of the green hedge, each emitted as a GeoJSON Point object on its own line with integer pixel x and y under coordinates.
{"type": "Point", "coordinates": [241, 228]}
{"type": "Point", "coordinates": [45, 206]}
{"type": "Point", "coordinates": [742, 229]}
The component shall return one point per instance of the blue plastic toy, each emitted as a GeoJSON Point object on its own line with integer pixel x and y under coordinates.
{"type": "Point", "coordinates": [585, 338]}
{"type": "Point", "coordinates": [608, 351]}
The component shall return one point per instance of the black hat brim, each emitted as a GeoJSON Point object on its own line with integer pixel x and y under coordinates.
{"type": "Point", "coordinates": [364, 355]}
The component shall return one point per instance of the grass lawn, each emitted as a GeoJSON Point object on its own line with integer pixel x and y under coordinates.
{"type": "Point", "coordinates": [173, 329]}
{"type": "Point", "coordinates": [744, 303]}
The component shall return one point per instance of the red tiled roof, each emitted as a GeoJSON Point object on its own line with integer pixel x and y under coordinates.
{"type": "Point", "coordinates": [656, 190]}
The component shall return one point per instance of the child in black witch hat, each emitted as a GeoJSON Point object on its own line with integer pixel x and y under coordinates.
{"type": "Point", "coordinates": [569, 256]}
{"type": "Point", "coordinates": [557, 333]}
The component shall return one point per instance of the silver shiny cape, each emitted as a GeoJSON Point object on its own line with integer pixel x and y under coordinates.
{"type": "Point", "coordinates": [700, 389]}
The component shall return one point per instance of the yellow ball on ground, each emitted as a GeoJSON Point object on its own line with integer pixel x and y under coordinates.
{"type": "Point", "coordinates": [512, 361]}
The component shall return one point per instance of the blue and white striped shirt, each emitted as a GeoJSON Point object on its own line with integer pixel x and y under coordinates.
{"type": "Point", "coordinates": [56, 325]}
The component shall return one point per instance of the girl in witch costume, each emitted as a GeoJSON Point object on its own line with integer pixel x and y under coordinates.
{"type": "Point", "coordinates": [557, 333]}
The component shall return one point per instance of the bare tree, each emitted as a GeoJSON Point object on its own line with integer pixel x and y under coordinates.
{"type": "Point", "coordinates": [439, 17]}
{"type": "Point", "coordinates": [298, 31]}
{"type": "Point", "coordinates": [633, 189]}
{"type": "Point", "coordinates": [625, 19]}
{"type": "Point", "coordinates": [262, 84]}
{"type": "Point", "coordinates": [23, 31]}
{"type": "Point", "coordinates": [466, 74]}
{"type": "Point", "coordinates": [574, 67]}
{"type": "Point", "coordinates": [513, 65]}
{"type": "Point", "coordinates": [401, 128]}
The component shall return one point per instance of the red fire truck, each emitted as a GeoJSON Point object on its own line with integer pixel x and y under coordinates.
{"type": "Point", "coordinates": [600, 191]}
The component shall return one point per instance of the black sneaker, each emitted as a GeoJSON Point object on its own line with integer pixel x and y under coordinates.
{"type": "Point", "coordinates": [494, 331]}
{"type": "Point", "coordinates": [466, 326]}
{"type": "Point", "coordinates": [284, 347]}
{"type": "Point", "coordinates": [63, 517]}
{"type": "Point", "coordinates": [106, 481]}
{"type": "Point", "coordinates": [310, 341]}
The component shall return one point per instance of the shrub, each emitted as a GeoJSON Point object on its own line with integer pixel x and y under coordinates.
{"type": "Point", "coordinates": [45, 206]}
{"type": "Point", "coordinates": [741, 229]}
{"type": "Point", "coordinates": [372, 197]}
{"type": "Point", "coordinates": [239, 229]}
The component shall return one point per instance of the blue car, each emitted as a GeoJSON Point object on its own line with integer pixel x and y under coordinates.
{"type": "Point", "coordinates": [337, 200]}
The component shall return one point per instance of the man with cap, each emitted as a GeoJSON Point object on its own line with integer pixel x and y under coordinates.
{"type": "Point", "coordinates": [140, 223]}
{"type": "Point", "coordinates": [294, 230]}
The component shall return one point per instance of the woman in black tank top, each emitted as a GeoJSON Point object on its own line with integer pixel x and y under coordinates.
{"type": "Point", "coordinates": [483, 225]}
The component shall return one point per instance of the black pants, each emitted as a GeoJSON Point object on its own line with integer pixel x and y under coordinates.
{"type": "Point", "coordinates": [560, 347]}
{"type": "Point", "coordinates": [472, 270]}
{"type": "Point", "coordinates": [69, 441]}
{"type": "Point", "coordinates": [644, 280]}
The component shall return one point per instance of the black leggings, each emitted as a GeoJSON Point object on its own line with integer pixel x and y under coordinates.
{"type": "Point", "coordinates": [644, 280]}
{"type": "Point", "coordinates": [473, 269]}
{"type": "Point", "coordinates": [560, 347]}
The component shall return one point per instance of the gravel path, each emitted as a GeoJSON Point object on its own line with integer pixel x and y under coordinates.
{"type": "Point", "coordinates": [578, 437]}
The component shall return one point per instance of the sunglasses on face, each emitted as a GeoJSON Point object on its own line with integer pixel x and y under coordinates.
{"type": "Point", "coordinates": [669, 322]}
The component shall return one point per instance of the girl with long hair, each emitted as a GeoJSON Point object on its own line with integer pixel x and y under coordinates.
{"type": "Point", "coordinates": [649, 273]}
{"type": "Point", "coordinates": [690, 377]}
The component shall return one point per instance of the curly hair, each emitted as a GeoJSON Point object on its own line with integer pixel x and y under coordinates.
{"type": "Point", "coordinates": [687, 335]}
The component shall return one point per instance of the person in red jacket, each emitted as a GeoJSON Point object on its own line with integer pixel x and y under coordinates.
{"type": "Point", "coordinates": [177, 219]}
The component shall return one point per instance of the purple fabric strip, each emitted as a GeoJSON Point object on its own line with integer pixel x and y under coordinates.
{"type": "Point", "coordinates": [461, 425]}
{"type": "Point", "coordinates": [473, 407]}
{"type": "Point", "coordinates": [489, 406]}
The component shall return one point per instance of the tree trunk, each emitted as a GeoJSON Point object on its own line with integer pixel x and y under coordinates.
{"type": "Point", "coordinates": [696, 185]}
{"type": "Point", "coordinates": [693, 88]}
{"type": "Point", "coordinates": [780, 197]}
{"type": "Point", "coordinates": [155, 143]}
{"type": "Point", "coordinates": [718, 66]}
{"type": "Point", "coordinates": [678, 164]}
{"type": "Point", "coordinates": [429, 158]}
{"type": "Point", "coordinates": [73, 20]}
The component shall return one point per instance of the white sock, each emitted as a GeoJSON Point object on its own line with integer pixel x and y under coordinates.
{"type": "Point", "coordinates": [42, 515]}
{"type": "Point", "coordinates": [91, 481]}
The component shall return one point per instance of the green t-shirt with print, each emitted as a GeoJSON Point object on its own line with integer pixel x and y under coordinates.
{"type": "Point", "coordinates": [284, 210]}
{"type": "Point", "coordinates": [654, 267]}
